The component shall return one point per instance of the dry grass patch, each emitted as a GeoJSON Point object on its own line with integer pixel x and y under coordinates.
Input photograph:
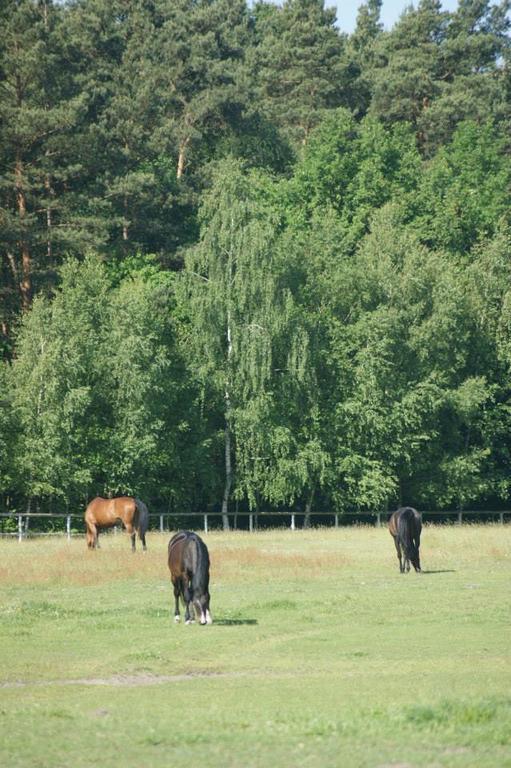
{"type": "Point", "coordinates": [250, 563]}
{"type": "Point", "coordinates": [60, 562]}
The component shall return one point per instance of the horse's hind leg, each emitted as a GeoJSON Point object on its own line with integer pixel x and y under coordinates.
{"type": "Point", "coordinates": [398, 550]}
{"type": "Point", "coordinates": [407, 564]}
{"type": "Point", "coordinates": [177, 615]}
{"type": "Point", "coordinates": [141, 536]}
{"type": "Point", "coordinates": [132, 535]}
{"type": "Point", "coordinates": [417, 563]}
{"type": "Point", "coordinates": [187, 597]}
{"type": "Point", "coordinates": [92, 536]}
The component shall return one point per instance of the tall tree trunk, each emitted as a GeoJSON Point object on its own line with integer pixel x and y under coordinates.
{"type": "Point", "coordinates": [181, 159]}
{"type": "Point", "coordinates": [25, 283]}
{"type": "Point", "coordinates": [228, 445]}
{"type": "Point", "coordinates": [228, 476]}
{"type": "Point", "coordinates": [308, 508]}
{"type": "Point", "coordinates": [49, 219]}
{"type": "Point", "coordinates": [125, 224]}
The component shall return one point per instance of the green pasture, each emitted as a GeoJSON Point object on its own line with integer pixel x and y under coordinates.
{"type": "Point", "coordinates": [321, 653]}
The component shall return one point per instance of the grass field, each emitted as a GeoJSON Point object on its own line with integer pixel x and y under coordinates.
{"type": "Point", "coordinates": [321, 653]}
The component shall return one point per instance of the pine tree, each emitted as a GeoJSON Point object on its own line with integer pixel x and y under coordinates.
{"type": "Point", "coordinates": [195, 64]}
{"type": "Point", "coordinates": [436, 69]}
{"type": "Point", "coordinates": [363, 54]}
{"type": "Point", "coordinates": [407, 82]}
{"type": "Point", "coordinates": [301, 67]}
{"type": "Point", "coordinates": [37, 110]}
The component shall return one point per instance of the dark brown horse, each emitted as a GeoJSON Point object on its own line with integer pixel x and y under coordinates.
{"type": "Point", "coordinates": [105, 513]}
{"type": "Point", "coordinates": [189, 570]}
{"type": "Point", "coordinates": [405, 526]}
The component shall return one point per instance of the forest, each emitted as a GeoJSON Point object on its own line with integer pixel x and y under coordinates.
{"type": "Point", "coordinates": [248, 261]}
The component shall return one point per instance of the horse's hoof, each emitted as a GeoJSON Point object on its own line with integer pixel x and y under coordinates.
{"type": "Point", "coordinates": [177, 619]}
{"type": "Point", "coordinates": [189, 621]}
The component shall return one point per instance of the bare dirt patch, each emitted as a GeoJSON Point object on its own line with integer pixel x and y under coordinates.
{"type": "Point", "coordinates": [120, 680]}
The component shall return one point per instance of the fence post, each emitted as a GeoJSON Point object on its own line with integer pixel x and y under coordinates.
{"type": "Point", "coordinates": [378, 519]}
{"type": "Point", "coordinates": [205, 523]}
{"type": "Point", "coordinates": [161, 523]}
{"type": "Point", "coordinates": [501, 516]}
{"type": "Point", "coordinates": [250, 523]}
{"type": "Point", "coordinates": [20, 528]}
{"type": "Point", "coordinates": [460, 518]}
{"type": "Point", "coordinates": [336, 521]}
{"type": "Point", "coordinates": [292, 522]}
{"type": "Point", "coordinates": [68, 527]}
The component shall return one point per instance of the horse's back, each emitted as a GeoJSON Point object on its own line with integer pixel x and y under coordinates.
{"type": "Point", "coordinates": [403, 516]}
{"type": "Point", "coordinates": [124, 507]}
{"type": "Point", "coordinates": [184, 550]}
{"type": "Point", "coordinates": [105, 511]}
{"type": "Point", "coordinates": [96, 508]}
{"type": "Point", "coordinates": [409, 520]}
{"type": "Point", "coordinates": [175, 552]}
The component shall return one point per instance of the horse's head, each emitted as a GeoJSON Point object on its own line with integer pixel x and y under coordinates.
{"type": "Point", "coordinates": [201, 605]}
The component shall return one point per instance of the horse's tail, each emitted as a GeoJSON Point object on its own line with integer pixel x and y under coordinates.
{"type": "Point", "coordinates": [141, 521]}
{"type": "Point", "coordinates": [409, 527]}
{"type": "Point", "coordinates": [200, 575]}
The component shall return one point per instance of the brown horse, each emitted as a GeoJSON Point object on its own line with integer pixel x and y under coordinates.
{"type": "Point", "coordinates": [105, 513]}
{"type": "Point", "coordinates": [405, 526]}
{"type": "Point", "coordinates": [189, 570]}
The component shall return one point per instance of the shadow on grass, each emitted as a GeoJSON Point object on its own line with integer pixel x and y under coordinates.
{"type": "Point", "coordinates": [429, 573]}
{"type": "Point", "coordinates": [233, 622]}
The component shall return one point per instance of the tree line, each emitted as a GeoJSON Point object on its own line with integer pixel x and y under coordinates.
{"type": "Point", "coordinates": [249, 259]}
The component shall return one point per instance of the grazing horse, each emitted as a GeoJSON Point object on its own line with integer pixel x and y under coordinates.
{"type": "Point", "coordinates": [189, 570]}
{"type": "Point", "coordinates": [405, 526]}
{"type": "Point", "coordinates": [104, 513]}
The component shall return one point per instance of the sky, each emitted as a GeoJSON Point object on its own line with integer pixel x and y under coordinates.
{"type": "Point", "coordinates": [390, 12]}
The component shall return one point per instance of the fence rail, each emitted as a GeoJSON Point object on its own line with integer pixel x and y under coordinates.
{"type": "Point", "coordinates": [22, 530]}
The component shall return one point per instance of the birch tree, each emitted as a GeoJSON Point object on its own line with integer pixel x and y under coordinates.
{"type": "Point", "coordinates": [240, 310]}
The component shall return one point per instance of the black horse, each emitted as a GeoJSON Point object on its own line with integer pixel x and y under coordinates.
{"type": "Point", "coordinates": [189, 570]}
{"type": "Point", "coordinates": [405, 526]}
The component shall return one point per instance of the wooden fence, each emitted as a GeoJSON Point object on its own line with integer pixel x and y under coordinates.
{"type": "Point", "coordinates": [19, 523]}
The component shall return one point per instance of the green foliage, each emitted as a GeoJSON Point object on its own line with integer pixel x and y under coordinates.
{"type": "Point", "coordinates": [7, 434]}
{"type": "Point", "coordinates": [354, 167]}
{"type": "Point", "coordinates": [245, 341]}
{"type": "Point", "coordinates": [59, 388]}
{"type": "Point", "coordinates": [436, 69]}
{"type": "Point", "coordinates": [300, 66]}
{"type": "Point", "coordinates": [303, 254]}
{"type": "Point", "coordinates": [98, 390]}
{"type": "Point", "coordinates": [464, 193]}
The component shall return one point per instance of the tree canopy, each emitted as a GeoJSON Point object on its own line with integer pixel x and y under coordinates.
{"type": "Point", "coordinates": [247, 259]}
